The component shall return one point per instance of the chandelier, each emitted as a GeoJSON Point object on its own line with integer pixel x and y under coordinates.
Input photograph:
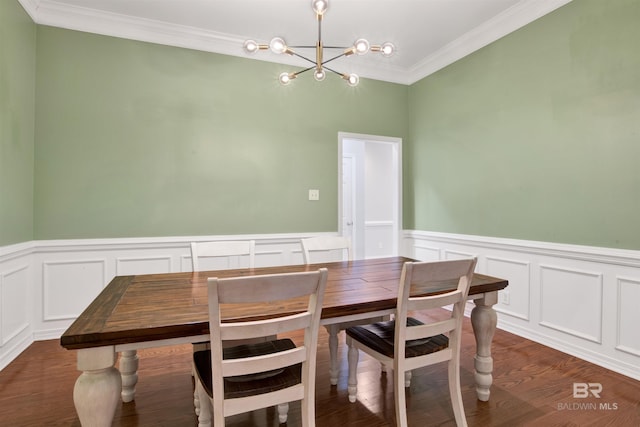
{"type": "Point", "coordinates": [359, 47]}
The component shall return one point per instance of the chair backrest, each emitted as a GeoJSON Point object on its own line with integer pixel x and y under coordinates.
{"type": "Point", "coordinates": [452, 279]}
{"type": "Point", "coordinates": [251, 290]}
{"type": "Point", "coordinates": [325, 243]}
{"type": "Point", "coordinates": [222, 249]}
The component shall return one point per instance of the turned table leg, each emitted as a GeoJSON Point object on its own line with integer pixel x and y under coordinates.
{"type": "Point", "coordinates": [353, 354]}
{"type": "Point", "coordinates": [97, 389]}
{"type": "Point", "coordinates": [484, 321]}
{"type": "Point", "coordinates": [129, 372]}
{"type": "Point", "coordinates": [334, 369]}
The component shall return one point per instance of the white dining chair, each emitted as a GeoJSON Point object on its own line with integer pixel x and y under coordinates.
{"type": "Point", "coordinates": [243, 250]}
{"type": "Point", "coordinates": [407, 343]}
{"type": "Point", "coordinates": [326, 244]}
{"type": "Point", "coordinates": [271, 373]}
{"type": "Point", "coordinates": [219, 249]}
{"type": "Point", "coordinates": [331, 247]}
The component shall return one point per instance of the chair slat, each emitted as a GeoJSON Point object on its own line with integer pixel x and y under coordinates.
{"type": "Point", "coordinates": [430, 329]}
{"type": "Point", "coordinates": [262, 363]}
{"type": "Point", "coordinates": [263, 328]}
{"type": "Point", "coordinates": [431, 302]}
{"type": "Point", "coordinates": [325, 243]}
{"type": "Point", "coordinates": [251, 403]}
{"type": "Point", "coordinates": [428, 359]}
{"type": "Point", "coordinates": [266, 288]}
{"type": "Point", "coordinates": [440, 271]}
{"type": "Point", "coordinates": [222, 249]}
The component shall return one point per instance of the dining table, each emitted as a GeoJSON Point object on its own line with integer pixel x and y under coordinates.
{"type": "Point", "coordinates": [150, 310]}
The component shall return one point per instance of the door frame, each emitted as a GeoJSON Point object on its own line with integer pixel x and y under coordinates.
{"type": "Point", "coordinates": [397, 145]}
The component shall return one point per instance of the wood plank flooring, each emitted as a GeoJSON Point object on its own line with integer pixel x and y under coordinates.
{"type": "Point", "coordinates": [533, 386]}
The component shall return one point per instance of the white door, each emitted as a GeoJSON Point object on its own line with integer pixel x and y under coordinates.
{"type": "Point", "coordinates": [348, 211]}
{"type": "Point", "coordinates": [370, 201]}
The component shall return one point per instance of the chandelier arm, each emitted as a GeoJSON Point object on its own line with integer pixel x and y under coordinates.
{"type": "Point", "coordinates": [304, 57]}
{"type": "Point", "coordinates": [333, 71]}
{"type": "Point", "coordinates": [334, 58]}
{"type": "Point", "coordinates": [304, 71]}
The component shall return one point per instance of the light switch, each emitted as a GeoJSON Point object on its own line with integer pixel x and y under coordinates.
{"type": "Point", "coordinates": [314, 194]}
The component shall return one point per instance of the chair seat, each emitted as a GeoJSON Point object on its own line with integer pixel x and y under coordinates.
{"type": "Point", "coordinates": [247, 385]}
{"type": "Point", "coordinates": [380, 336]}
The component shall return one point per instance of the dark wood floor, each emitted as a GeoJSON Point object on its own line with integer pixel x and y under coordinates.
{"type": "Point", "coordinates": [533, 386]}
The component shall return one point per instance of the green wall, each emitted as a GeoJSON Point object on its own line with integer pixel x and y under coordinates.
{"type": "Point", "coordinates": [17, 86]}
{"type": "Point", "coordinates": [136, 139]}
{"type": "Point", "coordinates": [536, 136]}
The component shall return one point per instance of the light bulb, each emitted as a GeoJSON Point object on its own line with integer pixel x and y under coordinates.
{"type": "Point", "coordinates": [361, 46]}
{"type": "Point", "coordinates": [319, 74]}
{"type": "Point", "coordinates": [352, 79]}
{"type": "Point", "coordinates": [278, 45]}
{"type": "Point", "coordinates": [387, 49]}
{"type": "Point", "coordinates": [320, 6]}
{"type": "Point", "coordinates": [285, 78]}
{"type": "Point", "coordinates": [250, 46]}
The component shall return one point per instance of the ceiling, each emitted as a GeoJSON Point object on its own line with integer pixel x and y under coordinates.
{"type": "Point", "coordinates": [428, 34]}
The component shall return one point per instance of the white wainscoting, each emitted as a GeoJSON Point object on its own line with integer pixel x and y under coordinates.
{"type": "Point", "coordinates": [580, 300]}
{"type": "Point", "coordinates": [584, 301]}
{"type": "Point", "coordinates": [45, 285]}
{"type": "Point", "coordinates": [379, 237]}
{"type": "Point", "coordinates": [17, 309]}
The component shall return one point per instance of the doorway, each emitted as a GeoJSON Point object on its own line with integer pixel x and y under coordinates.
{"type": "Point", "coordinates": [370, 193]}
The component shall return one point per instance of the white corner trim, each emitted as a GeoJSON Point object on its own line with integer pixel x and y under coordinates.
{"type": "Point", "coordinates": [72, 17]}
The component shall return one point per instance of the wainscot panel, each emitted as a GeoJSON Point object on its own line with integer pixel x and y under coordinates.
{"type": "Point", "coordinates": [17, 309]}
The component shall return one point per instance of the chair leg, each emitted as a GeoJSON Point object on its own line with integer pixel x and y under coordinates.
{"type": "Point", "coordinates": [196, 400]}
{"type": "Point", "coordinates": [352, 382]}
{"type": "Point", "coordinates": [383, 367]}
{"type": "Point", "coordinates": [456, 393]}
{"type": "Point", "coordinates": [283, 412]}
{"type": "Point", "coordinates": [204, 415]}
{"type": "Point", "coordinates": [400, 398]}
{"type": "Point", "coordinates": [407, 379]}
{"type": "Point", "coordinates": [308, 406]}
{"type": "Point", "coordinates": [333, 353]}
{"type": "Point", "coordinates": [196, 397]}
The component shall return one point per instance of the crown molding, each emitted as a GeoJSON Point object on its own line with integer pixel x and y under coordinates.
{"type": "Point", "coordinates": [510, 20]}
{"type": "Point", "coordinates": [31, 7]}
{"type": "Point", "coordinates": [57, 14]}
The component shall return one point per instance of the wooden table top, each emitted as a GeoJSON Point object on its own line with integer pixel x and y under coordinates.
{"type": "Point", "coordinates": [154, 307]}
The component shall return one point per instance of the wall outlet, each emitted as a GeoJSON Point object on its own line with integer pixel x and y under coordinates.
{"type": "Point", "coordinates": [314, 194]}
{"type": "Point", "coordinates": [505, 297]}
